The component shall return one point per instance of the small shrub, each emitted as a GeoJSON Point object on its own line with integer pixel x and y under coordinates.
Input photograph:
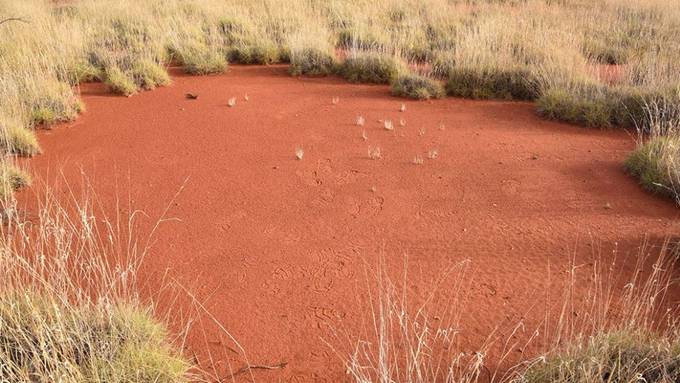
{"type": "Point", "coordinates": [509, 84]}
{"type": "Point", "coordinates": [612, 357]}
{"type": "Point", "coordinates": [11, 179]}
{"type": "Point", "coordinates": [120, 82]}
{"type": "Point", "coordinates": [418, 87]}
{"type": "Point", "coordinates": [371, 68]}
{"type": "Point", "coordinates": [311, 62]}
{"type": "Point", "coordinates": [149, 75]}
{"type": "Point", "coordinates": [591, 111]}
{"type": "Point", "coordinates": [656, 164]}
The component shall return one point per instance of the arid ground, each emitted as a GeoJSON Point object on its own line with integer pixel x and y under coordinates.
{"type": "Point", "coordinates": [276, 248]}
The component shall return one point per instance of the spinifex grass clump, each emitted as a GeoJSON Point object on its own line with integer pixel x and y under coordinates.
{"type": "Point", "coordinates": [69, 307]}
{"type": "Point", "coordinates": [624, 356]}
{"type": "Point", "coordinates": [481, 83]}
{"type": "Point", "coordinates": [311, 61]}
{"type": "Point", "coordinates": [11, 179]}
{"type": "Point", "coordinates": [371, 68]}
{"type": "Point", "coordinates": [264, 53]}
{"type": "Point", "coordinates": [46, 340]}
{"type": "Point", "coordinates": [621, 326]}
{"type": "Point", "coordinates": [418, 87]}
{"type": "Point", "coordinates": [592, 108]}
{"type": "Point", "coordinates": [149, 75]}
{"type": "Point", "coordinates": [201, 60]}
{"type": "Point", "coordinates": [119, 82]}
{"type": "Point", "coordinates": [55, 103]}
{"type": "Point", "coordinates": [656, 163]}
{"type": "Point", "coordinates": [656, 160]}
{"type": "Point", "coordinates": [617, 334]}
{"type": "Point", "coordinates": [15, 139]}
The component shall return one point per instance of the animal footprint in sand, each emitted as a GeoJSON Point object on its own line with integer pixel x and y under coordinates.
{"type": "Point", "coordinates": [388, 125]}
{"type": "Point", "coordinates": [231, 102]}
{"type": "Point", "coordinates": [299, 153]}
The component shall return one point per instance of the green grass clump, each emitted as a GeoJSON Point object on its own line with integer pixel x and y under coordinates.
{"type": "Point", "coordinates": [46, 340]}
{"type": "Point", "coordinates": [148, 75]}
{"type": "Point", "coordinates": [119, 82]}
{"type": "Point", "coordinates": [418, 87]}
{"type": "Point", "coordinates": [612, 357]}
{"type": "Point", "coordinates": [656, 164]}
{"type": "Point", "coordinates": [311, 62]}
{"type": "Point", "coordinates": [371, 68]}
{"type": "Point", "coordinates": [581, 109]}
{"type": "Point", "coordinates": [507, 84]}
{"type": "Point", "coordinates": [11, 179]}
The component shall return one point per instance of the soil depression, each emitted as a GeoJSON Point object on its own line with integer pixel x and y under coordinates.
{"type": "Point", "coordinates": [276, 247]}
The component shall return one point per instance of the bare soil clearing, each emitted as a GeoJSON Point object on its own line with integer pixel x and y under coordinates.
{"type": "Point", "coordinates": [275, 247]}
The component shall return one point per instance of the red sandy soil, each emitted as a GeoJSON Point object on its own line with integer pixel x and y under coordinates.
{"type": "Point", "coordinates": [276, 248]}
